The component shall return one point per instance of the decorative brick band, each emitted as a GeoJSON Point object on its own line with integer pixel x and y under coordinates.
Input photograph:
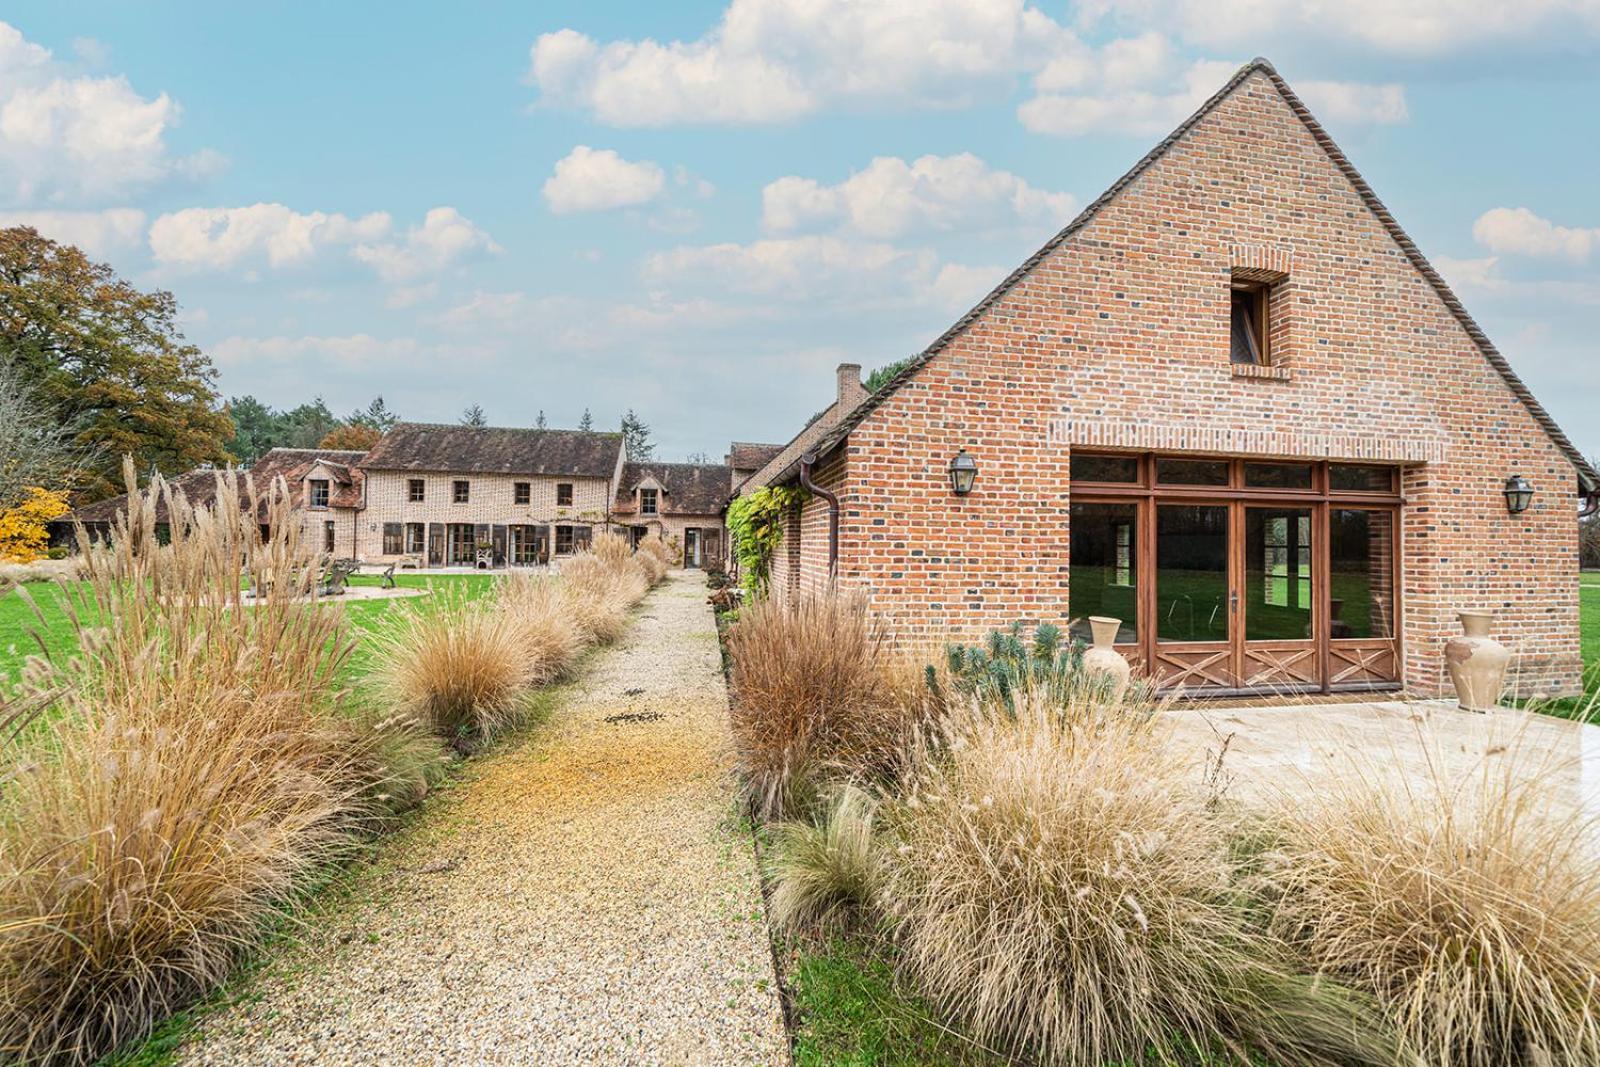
{"type": "Point", "coordinates": [1260, 263]}
{"type": "Point", "coordinates": [1143, 436]}
{"type": "Point", "coordinates": [1274, 372]}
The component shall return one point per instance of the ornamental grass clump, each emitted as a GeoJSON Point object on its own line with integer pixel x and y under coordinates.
{"type": "Point", "coordinates": [464, 670]}
{"type": "Point", "coordinates": [826, 874]}
{"type": "Point", "coordinates": [1064, 887]}
{"type": "Point", "coordinates": [813, 696]}
{"type": "Point", "coordinates": [1467, 901]}
{"type": "Point", "coordinates": [188, 776]}
{"type": "Point", "coordinates": [541, 608]}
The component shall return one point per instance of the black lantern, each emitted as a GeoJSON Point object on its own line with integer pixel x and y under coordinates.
{"type": "Point", "coordinates": [1519, 494]}
{"type": "Point", "coordinates": [963, 472]}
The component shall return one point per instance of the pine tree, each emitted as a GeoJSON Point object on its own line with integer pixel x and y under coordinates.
{"type": "Point", "coordinates": [539, 423]}
{"type": "Point", "coordinates": [587, 422]}
{"type": "Point", "coordinates": [376, 415]}
{"type": "Point", "coordinates": [474, 416]}
{"type": "Point", "coordinates": [636, 435]}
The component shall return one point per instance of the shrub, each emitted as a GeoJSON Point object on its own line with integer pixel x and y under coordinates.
{"type": "Point", "coordinates": [186, 778]}
{"type": "Point", "coordinates": [825, 874]}
{"type": "Point", "coordinates": [463, 670]}
{"type": "Point", "coordinates": [543, 613]}
{"type": "Point", "coordinates": [1470, 904]}
{"type": "Point", "coordinates": [1062, 886]}
{"type": "Point", "coordinates": [809, 680]}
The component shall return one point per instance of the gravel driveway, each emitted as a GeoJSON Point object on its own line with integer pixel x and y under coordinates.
{"type": "Point", "coordinates": [589, 895]}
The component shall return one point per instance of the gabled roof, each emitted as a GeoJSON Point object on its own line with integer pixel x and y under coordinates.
{"type": "Point", "coordinates": [687, 488]}
{"type": "Point", "coordinates": [751, 456]}
{"type": "Point", "coordinates": [198, 487]}
{"type": "Point", "coordinates": [1588, 478]}
{"type": "Point", "coordinates": [418, 446]}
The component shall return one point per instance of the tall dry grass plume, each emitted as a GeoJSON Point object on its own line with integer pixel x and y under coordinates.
{"type": "Point", "coordinates": [541, 608]}
{"type": "Point", "coordinates": [1466, 898]}
{"type": "Point", "coordinates": [464, 670]}
{"type": "Point", "coordinates": [185, 780]}
{"type": "Point", "coordinates": [815, 693]}
{"type": "Point", "coordinates": [1060, 881]}
{"type": "Point", "coordinates": [606, 583]}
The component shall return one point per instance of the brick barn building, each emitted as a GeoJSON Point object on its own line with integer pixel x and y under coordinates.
{"type": "Point", "coordinates": [1232, 405]}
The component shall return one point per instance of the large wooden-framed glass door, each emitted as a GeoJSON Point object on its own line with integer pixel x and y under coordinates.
{"type": "Point", "coordinates": [1233, 574]}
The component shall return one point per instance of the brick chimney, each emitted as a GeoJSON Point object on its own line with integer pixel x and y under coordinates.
{"type": "Point", "coordinates": [851, 391]}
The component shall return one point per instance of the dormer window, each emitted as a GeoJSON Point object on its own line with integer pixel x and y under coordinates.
{"type": "Point", "coordinates": [1248, 338]}
{"type": "Point", "coordinates": [647, 502]}
{"type": "Point", "coordinates": [319, 494]}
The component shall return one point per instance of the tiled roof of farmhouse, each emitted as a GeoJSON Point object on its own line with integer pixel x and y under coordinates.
{"type": "Point", "coordinates": [418, 446]}
{"type": "Point", "coordinates": [751, 456]}
{"type": "Point", "coordinates": [1587, 475]}
{"type": "Point", "coordinates": [199, 486]}
{"type": "Point", "coordinates": [688, 488]}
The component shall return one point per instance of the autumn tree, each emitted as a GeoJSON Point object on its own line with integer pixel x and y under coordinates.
{"type": "Point", "coordinates": [108, 362]}
{"type": "Point", "coordinates": [34, 453]}
{"type": "Point", "coordinates": [352, 438]}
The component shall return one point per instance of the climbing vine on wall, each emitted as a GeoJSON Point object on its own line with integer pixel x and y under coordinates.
{"type": "Point", "coordinates": [755, 526]}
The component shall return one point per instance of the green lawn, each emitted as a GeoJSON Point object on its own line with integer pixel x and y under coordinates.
{"type": "Point", "coordinates": [22, 629]}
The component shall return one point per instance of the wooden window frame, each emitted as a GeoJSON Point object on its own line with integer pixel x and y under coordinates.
{"type": "Point", "coordinates": [416, 490]}
{"type": "Point", "coordinates": [521, 493]}
{"type": "Point", "coordinates": [460, 491]}
{"type": "Point", "coordinates": [1320, 498]}
{"type": "Point", "coordinates": [564, 532]}
{"type": "Point", "coordinates": [329, 536]}
{"type": "Point", "coordinates": [394, 539]}
{"type": "Point", "coordinates": [563, 494]}
{"type": "Point", "coordinates": [316, 487]}
{"type": "Point", "coordinates": [421, 542]}
{"type": "Point", "coordinates": [1260, 297]}
{"type": "Point", "coordinates": [654, 507]}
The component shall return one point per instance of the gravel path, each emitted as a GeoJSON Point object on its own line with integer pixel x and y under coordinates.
{"type": "Point", "coordinates": [588, 896]}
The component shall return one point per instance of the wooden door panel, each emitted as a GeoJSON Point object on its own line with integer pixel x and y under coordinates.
{"type": "Point", "coordinates": [1195, 666]}
{"type": "Point", "coordinates": [1353, 662]}
{"type": "Point", "coordinates": [1267, 666]}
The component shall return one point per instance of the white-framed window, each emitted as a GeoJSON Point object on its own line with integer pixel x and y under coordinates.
{"type": "Point", "coordinates": [319, 493]}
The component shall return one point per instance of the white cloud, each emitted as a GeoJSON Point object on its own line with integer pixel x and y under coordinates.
{"type": "Point", "coordinates": [66, 137]}
{"type": "Point", "coordinates": [445, 238]}
{"type": "Point", "coordinates": [359, 352]}
{"type": "Point", "coordinates": [1355, 103]}
{"type": "Point", "coordinates": [1403, 27]}
{"type": "Point", "coordinates": [98, 233]}
{"type": "Point", "coordinates": [794, 268]}
{"type": "Point", "coordinates": [1125, 104]}
{"type": "Point", "coordinates": [1518, 231]}
{"type": "Point", "coordinates": [891, 198]}
{"type": "Point", "coordinates": [591, 179]}
{"type": "Point", "coordinates": [219, 237]}
{"type": "Point", "coordinates": [773, 60]}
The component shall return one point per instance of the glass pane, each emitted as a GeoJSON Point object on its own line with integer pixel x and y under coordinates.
{"type": "Point", "coordinates": [1278, 475]}
{"type": "Point", "coordinates": [1354, 479]}
{"type": "Point", "coordinates": [1192, 573]}
{"type": "Point", "coordinates": [1192, 471]}
{"type": "Point", "coordinates": [1243, 344]}
{"type": "Point", "coordinates": [1104, 567]}
{"type": "Point", "coordinates": [1277, 574]}
{"type": "Point", "coordinates": [1361, 578]}
{"type": "Point", "coordinates": [1105, 468]}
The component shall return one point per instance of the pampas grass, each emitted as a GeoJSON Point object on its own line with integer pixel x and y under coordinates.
{"type": "Point", "coordinates": [187, 778]}
{"type": "Point", "coordinates": [542, 610]}
{"type": "Point", "coordinates": [1061, 884]}
{"type": "Point", "coordinates": [826, 874]}
{"type": "Point", "coordinates": [1468, 901]}
{"type": "Point", "coordinates": [463, 671]}
{"type": "Point", "coordinates": [813, 695]}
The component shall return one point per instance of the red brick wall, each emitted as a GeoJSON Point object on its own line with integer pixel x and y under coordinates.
{"type": "Point", "coordinates": [1120, 337]}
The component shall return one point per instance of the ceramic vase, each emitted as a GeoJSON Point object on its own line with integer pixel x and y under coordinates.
{"type": "Point", "coordinates": [1477, 662]}
{"type": "Point", "coordinates": [1103, 658]}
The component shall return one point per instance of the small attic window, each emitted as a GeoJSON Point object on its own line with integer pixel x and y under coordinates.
{"type": "Point", "coordinates": [1248, 324]}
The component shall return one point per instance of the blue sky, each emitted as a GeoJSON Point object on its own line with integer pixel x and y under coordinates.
{"type": "Point", "coordinates": [696, 210]}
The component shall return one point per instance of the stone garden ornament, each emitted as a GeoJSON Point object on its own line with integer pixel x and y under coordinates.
{"type": "Point", "coordinates": [1103, 658]}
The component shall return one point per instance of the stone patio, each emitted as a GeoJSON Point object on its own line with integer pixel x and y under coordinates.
{"type": "Point", "coordinates": [1275, 753]}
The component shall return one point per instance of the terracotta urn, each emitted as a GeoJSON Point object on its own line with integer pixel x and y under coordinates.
{"type": "Point", "coordinates": [1477, 662]}
{"type": "Point", "coordinates": [1103, 658]}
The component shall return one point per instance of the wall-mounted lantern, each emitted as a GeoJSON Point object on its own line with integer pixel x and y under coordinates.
{"type": "Point", "coordinates": [1519, 494]}
{"type": "Point", "coordinates": [963, 472]}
